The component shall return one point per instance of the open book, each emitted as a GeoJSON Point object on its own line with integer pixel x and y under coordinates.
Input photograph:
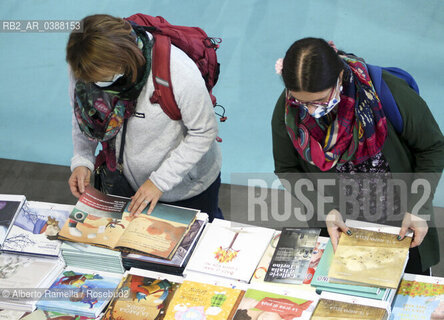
{"type": "Point", "coordinates": [104, 220]}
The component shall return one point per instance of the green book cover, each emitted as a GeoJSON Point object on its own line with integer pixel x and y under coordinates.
{"type": "Point", "coordinates": [320, 280]}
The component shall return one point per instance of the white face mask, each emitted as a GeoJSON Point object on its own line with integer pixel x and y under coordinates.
{"type": "Point", "coordinates": [103, 84]}
{"type": "Point", "coordinates": [322, 110]}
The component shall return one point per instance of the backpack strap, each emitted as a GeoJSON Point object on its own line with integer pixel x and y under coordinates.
{"type": "Point", "coordinates": [389, 105]}
{"type": "Point", "coordinates": [163, 88]}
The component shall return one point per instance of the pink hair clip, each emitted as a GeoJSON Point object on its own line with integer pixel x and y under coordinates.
{"type": "Point", "coordinates": [279, 65]}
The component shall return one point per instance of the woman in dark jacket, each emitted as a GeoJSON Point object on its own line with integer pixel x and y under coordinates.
{"type": "Point", "coordinates": [330, 119]}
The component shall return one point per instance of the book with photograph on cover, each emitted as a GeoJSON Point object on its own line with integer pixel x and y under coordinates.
{"type": "Point", "coordinates": [370, 258]}
{"type": "Point", "coordinates": [104, 220]}
{"type": "Point", "coordinates": [292, 256]}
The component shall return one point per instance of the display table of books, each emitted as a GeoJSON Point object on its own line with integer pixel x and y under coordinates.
{"type": "Point", "coordinates": [95, 260]}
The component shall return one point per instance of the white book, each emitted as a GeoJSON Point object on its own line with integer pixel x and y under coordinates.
{"type": "Point", "coordinates": [230, 250]}
{"type": "Point", "coordinates": [34, 225]}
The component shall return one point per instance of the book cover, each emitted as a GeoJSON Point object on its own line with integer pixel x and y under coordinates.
{"type": "Point", "coordinates": [80, 292]}
{"type": "Point", "coordinates": [339, 310]}
{"type": "Point", "coordinates": [182, 251]}
{"type": "Point", "coordinates": [226, 250]}
{"type": "Point", "coordinates": [9, 206]}
{"type": "Point", "coordinates": [35, 228]}
{"type": "Point", "coordinates": [292, 256]}
{"type": "Point", "coordinates": [141, 298]}
{"type": "Point", "coordinates": [104, 220]}
{"type": "Point", "coordinates": [321, 280]}
{"type": "Point", "coordinates": [370, 258]}
{"type": "Point", "coordinates": [257, 305]}
{"type": "Point", "coordinates": [419, 297]}
{"type": "Point", "coordinates": [194, 300]}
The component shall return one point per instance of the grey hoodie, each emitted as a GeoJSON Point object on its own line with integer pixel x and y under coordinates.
{"type": "Point", "coordinates": [180, 157]}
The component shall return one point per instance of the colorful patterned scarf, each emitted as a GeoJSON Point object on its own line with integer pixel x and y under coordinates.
{"type": "Point", "coordinates": [100, 111]}
{"type": "Point", "coordinates": [357, 132]}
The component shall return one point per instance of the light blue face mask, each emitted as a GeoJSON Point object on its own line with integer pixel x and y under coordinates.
{"type": "Point", "coordinates": [104, 84]}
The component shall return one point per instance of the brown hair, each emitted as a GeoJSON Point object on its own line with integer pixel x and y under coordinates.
{"type": "Point", "coordinates": [104, 48]}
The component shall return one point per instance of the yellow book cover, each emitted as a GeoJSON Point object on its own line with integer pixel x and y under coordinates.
{"type": "Point", "coordinates": [338, 310]}
{"type": "Point", "coordinates": [369, 258]}
{"type": "Point", "coordinates": [104, 220]}
{"type": "Point", "coordinates": [195, 300]}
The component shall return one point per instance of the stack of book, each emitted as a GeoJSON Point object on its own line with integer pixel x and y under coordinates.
{"type": "Point", "coordinates": [229, 250]}
{"type": "Point", "coordinates": [24, 279]}
{"type": "Point", "coordinates": [180, 258]}
{"type": "Point", "coordinates": [80, 292]}
{"type": "Point", "coordinates": [82, 255]}
{"type": "Point", "coordinates": [34, 228]}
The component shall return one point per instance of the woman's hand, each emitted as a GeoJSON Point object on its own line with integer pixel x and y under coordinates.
{"type": "Point", "coordinates": [336, 225]}
{"type": "Point", "coordinates": [417, 225]}
{"type": "Point", "coordinates": [79, 179]}
{"type": "Point", "coordinates": [148, 193]}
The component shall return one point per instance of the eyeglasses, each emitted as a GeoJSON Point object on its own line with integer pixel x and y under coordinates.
{"type": "Point", "coordinates": [306, 104]}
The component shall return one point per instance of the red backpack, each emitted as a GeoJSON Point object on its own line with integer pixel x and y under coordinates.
{"type": "Point", "coordinates": [191, 40]}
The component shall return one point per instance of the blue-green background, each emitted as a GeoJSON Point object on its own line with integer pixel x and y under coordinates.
{"type": "Point", "coordinates": [35, 112]}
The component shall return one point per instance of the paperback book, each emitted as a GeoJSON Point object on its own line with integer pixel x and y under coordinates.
{"type": "Point", "coordinates": [180, 258]}
{"type": "Point", "coordinates": [20, 271]}
{"type": "Point", "coordinates": [258, 304]}
{"type": "Point", "coordinates": [419, 297]}
{"type": "Point", "coordinates": [196, 300]}
{"type": "Point", "coordinates": [9, 206]}
{"type": "Point", "coordinates": [104, 220]}
{"type": "Point", "coordinates": [52, 315]}
{"type": "Point", "coordinates": [329, 309]}
{"type": "Point", "coordinates": [35, 229]}
{"type": "Point", "coordinates": [321, 281]}
{"type": "Point", "coordinates": [81, 292]}
{"type": "Point", "coordinates": [142, 297]}
{"type": "Point", "coordinates": [226, 250]}
{"type": "Point", "coordinates": [292, 256]}
{"type": "Point", "coordinates": [370, 258]}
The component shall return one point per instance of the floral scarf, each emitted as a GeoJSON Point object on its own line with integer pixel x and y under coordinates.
{"type": "Point", "coordinates": [100, 112]}
{"type": "Point", "coordinates": [357, 131]}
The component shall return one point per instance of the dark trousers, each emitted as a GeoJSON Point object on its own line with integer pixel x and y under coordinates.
{"type": "Point", "coordinates": [207, 201]}
{"type": "Point", "coordinates": [414, 263]}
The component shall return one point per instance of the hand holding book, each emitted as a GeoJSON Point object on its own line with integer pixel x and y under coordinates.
{"type": "Point", "coordinates": [336, 225]}
{"type": "Point", "coordinates": [415, 223]}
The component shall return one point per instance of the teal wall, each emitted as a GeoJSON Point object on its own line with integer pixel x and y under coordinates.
{"type": "Point", "coordinates": [35, 113]}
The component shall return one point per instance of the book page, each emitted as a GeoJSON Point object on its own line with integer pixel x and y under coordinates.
{"type": "Point", "coordinates": [97, 219]}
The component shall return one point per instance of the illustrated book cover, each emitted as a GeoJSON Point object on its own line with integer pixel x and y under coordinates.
{"type": "Point", "coordinates": [321, 280]}
{"type": "Point", "coordinates": [195, 300]}
{"type": "Point", "coordinates": [35, 229]}
{"type": "Point", "coordinates": [141, 298]}
{"type": "Point", "coordinates": [370, 258]}
{"type": "Point", "coordinates": [81, 292]}
{"type": "Point", "coordinates": [226, 249]}
{"type": "Point", "coordinates": [419, 297]}
{"type": "Point", "coordinates": [104, 220]}
{"type": "Point", "coordinates": [328, 309]}
{"type": "Point", "coordinates": [258, 304]}
{"type": "Point", "coordinates": [292, 256]}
